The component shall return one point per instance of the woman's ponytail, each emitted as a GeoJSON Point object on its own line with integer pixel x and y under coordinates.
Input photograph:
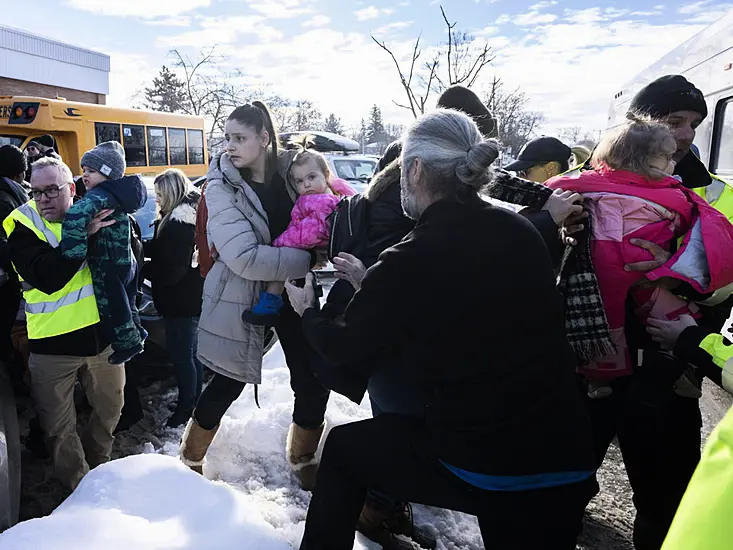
{"type": "Point", "coordinates": [269, 125]}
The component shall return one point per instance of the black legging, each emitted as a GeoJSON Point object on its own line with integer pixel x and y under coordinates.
{"type": "Point", "coordinates": [311, 398]}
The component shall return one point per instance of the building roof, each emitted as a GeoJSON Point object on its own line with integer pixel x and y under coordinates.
{"type": "Point", "coordinates": [31, 44]}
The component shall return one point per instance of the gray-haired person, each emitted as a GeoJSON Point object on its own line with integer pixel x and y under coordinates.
{"type": "Point", "coordinates": [505, 435]}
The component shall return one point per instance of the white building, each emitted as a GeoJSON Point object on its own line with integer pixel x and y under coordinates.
{"type": "Point", "coordinates": [32, 65]}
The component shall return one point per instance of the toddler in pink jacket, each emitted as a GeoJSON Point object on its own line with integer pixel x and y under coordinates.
{"type": "Point", "coordinates": [631, 194]}
{"type": "Point", "coordinates": [309, 228]}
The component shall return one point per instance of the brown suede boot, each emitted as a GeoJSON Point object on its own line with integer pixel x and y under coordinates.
{"type": "Point", "coordinates": [301, 450]}
{"type": "Point", "coordinates": [194, 444]}
{"type": "Point", "coordinates": [392, 528]}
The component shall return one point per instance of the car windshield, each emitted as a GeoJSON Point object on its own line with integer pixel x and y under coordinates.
{"type": "Point", "coordinates": [355, 169]}
{"type": "Point", "coordinates": [146, 215]}
{"type": "Point", "coordinates": [6, 139]}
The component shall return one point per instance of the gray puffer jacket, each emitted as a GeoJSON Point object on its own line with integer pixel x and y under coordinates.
{"type": "Point", "coordinates": [244, 263]}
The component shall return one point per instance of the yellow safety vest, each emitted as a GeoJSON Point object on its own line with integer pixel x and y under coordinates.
{"type": "Point", "coordinates": [703, 520]}
{"type": "Point", "coordinates": [719, 195]}
{"type": "Point", "coordinates": [67, 310]}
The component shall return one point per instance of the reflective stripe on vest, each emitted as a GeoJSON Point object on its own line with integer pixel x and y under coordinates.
{"type": "Point", "coordinates": [70, 309]}
{"type": "Point", "coordinates": [719, 194]}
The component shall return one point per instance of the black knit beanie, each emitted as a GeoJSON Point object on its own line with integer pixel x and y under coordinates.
{"type": "Point", "coordinates": [461, 98]}
{"type": "Point", "coordinates": [12, 161]}
{"type": "Point", "coordinates": [666, 95]}
{"type": "Point", "coordinates": [46, 140]}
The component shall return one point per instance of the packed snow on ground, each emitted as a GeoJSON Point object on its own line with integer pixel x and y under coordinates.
{"type": "Point", "coordinates": [152, 502]}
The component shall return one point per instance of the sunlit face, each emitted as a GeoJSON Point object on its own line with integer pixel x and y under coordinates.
{"type": "Point", "coordinates": [542, 172]}
{"type": "Point", "coordinates": [91, 177]}
{"type": "Point", "coordinates": [244, 145]}
{"type": "Point", "coordinates": [309, 179]}
{"type": "Point", "coordinates": [52, 194]}
{"type": "Point", "coordinates": [683, 125]}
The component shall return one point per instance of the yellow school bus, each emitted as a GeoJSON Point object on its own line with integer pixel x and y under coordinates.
{"type": "Point", "coordinates": [153, 141]}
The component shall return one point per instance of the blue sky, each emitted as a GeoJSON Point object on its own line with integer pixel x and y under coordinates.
{"type": "Point", "coordinates": [569, 56]}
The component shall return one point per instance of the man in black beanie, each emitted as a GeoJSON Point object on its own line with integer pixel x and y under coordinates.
{"type": "Point", "coordinates": [656, 421]}
{"type": "Point", "coordinates": [676, 101]}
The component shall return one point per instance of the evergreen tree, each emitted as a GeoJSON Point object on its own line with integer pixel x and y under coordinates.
{"type": "Point", "coordinates": [333, 124]}
{"type": "Point", "coordinates": [167, 93]}
{"type": "Point", "coordinates": [375, 129]}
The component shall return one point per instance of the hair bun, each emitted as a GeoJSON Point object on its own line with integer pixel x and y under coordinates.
{"type": "Point", "coordinates": [473, 170]}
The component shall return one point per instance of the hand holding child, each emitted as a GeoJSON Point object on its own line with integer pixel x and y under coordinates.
{"type": "Point", "coordinates": [563, 204]}
{"type": "Point", "coordinates": [666, 333]}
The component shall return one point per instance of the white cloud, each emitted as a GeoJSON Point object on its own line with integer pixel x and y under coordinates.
{"type": "Point", "coordinates": [316, 21]}
{"type": "Point", "coordinates": [386, 29]}
{"type": "Point", "coordinates": [177, 21]}
{"type": "Point", "coordinates": [571, 70]}
{"type": "Point", "coordinates": [503, 19]}
{"type": "Point", "coordinates": [129, 73]}
{"type": "Point", "coordinates": [222, 30]}
{"type": "Point", "coordinates": [542, 5]}
{"type": "Point", "coordinates": [533, 18]}
{"type": "Point", "coordinates": [371, 12]}
{"type": "Point", "coordinates": [280, 9]}
{"type": "Point", "coordinates": [139, 8]}
{"type": "Point", "coordinates": [695, 7]}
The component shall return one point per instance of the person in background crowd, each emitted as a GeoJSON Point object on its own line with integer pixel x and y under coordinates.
{"type": "Point", "coordinates": [541, 159]}
{"type": "Point", "coordinates": [114, 268]}
{"type": "Point", "coordinates": [249, 200]}
{"type": "Point", "coordinates": [580, 155]}
{"type": "Point", "coordinates": [63, 326]}
{"type": "Point", "coordinates": [528, 487]}
{"type": "Point", "coordinates": [177, 285]}
{"type": "Point", "coordinates": [12, 195]}
{"type": "Point", "coordinates": [43, 146]}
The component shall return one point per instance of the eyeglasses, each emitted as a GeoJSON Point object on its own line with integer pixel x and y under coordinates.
{"type": "Point", "coordinates": [51, 192]}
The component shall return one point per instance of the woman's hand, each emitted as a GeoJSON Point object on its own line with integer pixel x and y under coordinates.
{"type": "Point", "coordinates": [666, 333]}
{"type": "Point", "coordinates": [661, 256]}
{"type": "Point", "coordinates": [562, 204]}
{"type": "Point", "coordinates": [301, 298]}
{"type": "Point", "coordinates": [99, 221]}
{"type": "Point", "coordinates": [573, 224]}
{"type": "Point", "coordinates": [350, 268]}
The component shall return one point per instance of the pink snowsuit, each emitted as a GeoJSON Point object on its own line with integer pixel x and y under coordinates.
{"type": "Point", "coordinates": [625, 206]}
{"type": "Point", "coordinates": [309, 227]}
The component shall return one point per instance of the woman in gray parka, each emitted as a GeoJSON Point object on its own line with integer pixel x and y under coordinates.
{"type": "Point", "coordinates": [249, 199]}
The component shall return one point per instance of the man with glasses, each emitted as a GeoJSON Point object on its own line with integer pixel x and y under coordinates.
{"type": "Point", "coordinates": [64, 335]}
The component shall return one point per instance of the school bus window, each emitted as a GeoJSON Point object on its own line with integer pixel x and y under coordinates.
{"type": "Point", "coordinates": [107, 132]}
{"type": "Point", "coordinates": [11, 140]}
{"type": "Point", "coordinates": [177, 140]}
{"type": "Point", "coordinates": [195, 147]}
{"type": "Point", "coordinates": [134, 144]}
{"type": "Point", "coordinates": [724, 149]}
{"type": "Point", "coordinates": [157, 146]}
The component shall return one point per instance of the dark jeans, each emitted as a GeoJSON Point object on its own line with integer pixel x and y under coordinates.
{"type": "Point", "coordinates": [391, 453]}
{"type": "Point", "coordinates": [660, 444]}
{"type": "Point", "coordinates": [181, 342]}
{"type": "Point", "coordinates": [394, 389]}
{"type": "Point", "coordinates": [311, 398]}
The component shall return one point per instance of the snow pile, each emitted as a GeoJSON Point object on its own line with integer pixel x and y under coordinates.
{"type": "Point", "coordinates": [148, 502]}
{"type": "Point", "coordinates": [152, 502]}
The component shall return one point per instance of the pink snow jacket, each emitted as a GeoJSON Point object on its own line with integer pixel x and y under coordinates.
{"type": "Point", "coordinates": [309, 227]}
{"type": "Point", "coordinates": [625, 206]}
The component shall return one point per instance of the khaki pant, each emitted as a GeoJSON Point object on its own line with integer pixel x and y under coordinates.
{"type": "Point", "coordinates": [53, 378]}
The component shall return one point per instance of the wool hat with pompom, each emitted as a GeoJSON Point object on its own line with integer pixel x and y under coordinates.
{"type": "Point", "coordinates": [107, 158]}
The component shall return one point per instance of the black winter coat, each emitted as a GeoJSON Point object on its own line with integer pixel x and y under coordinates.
{"type": "Point", "coordinates": [173, 268]}
{"type": "Point", "coordinates": [501, 374]}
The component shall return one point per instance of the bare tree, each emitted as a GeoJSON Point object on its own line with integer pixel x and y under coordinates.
{"type": "Point", "coordinates": [462, 59]}
{"type": "Point", "coordinates": [515, 122]}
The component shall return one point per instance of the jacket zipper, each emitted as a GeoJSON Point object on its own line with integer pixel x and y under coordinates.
{"type": "Point", "coordinates": [348, 213]}
{"type": "Point", "coordinates": [335, 219]}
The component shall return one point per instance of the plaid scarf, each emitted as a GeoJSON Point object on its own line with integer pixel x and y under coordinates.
{"type": "Point", "coordinates": [586, 324]}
